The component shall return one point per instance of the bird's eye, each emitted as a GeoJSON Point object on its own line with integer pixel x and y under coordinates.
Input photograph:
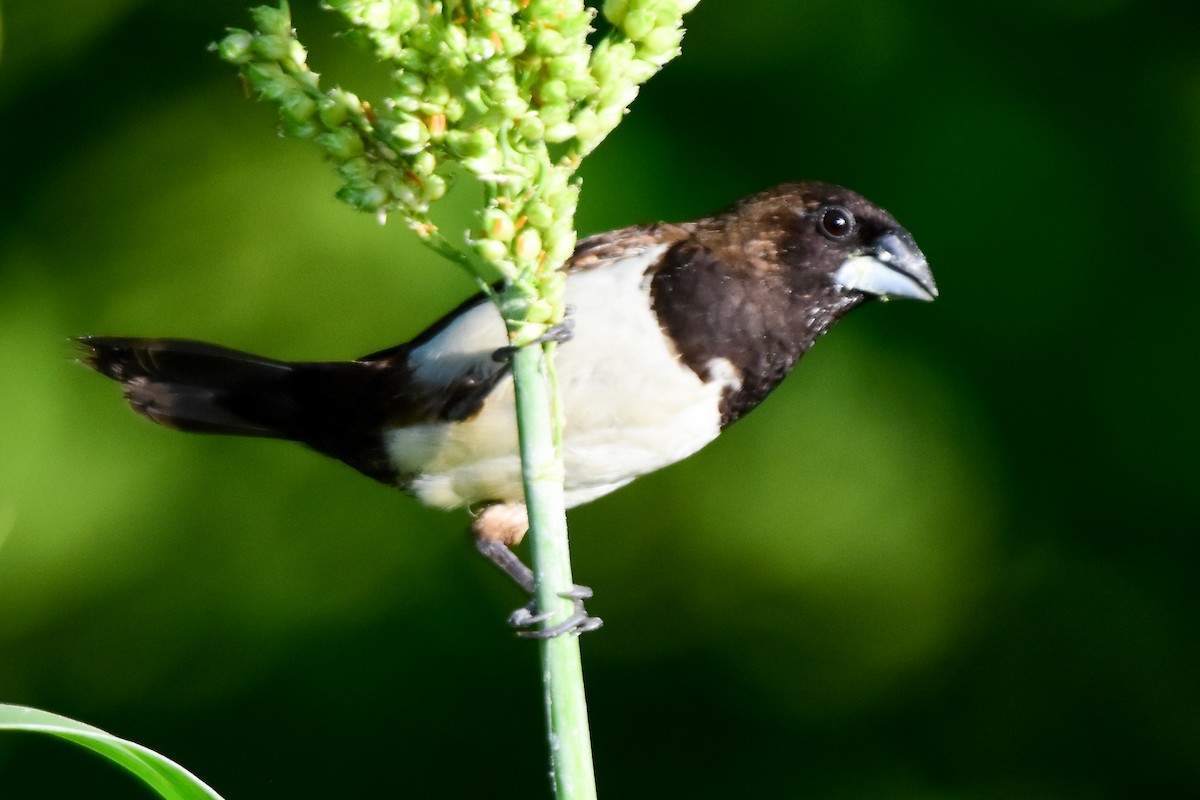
{"type": "Point", "coordinates": [836, 222]}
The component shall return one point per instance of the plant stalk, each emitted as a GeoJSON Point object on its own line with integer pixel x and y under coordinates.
{"type": "Point", "coordinates": [539, 426]}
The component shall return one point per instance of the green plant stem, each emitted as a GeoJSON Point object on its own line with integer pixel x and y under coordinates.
{"type": "Point", "coordinates": [539, 426]}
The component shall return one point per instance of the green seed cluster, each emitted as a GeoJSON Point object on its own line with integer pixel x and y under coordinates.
{"type": "Point", "coordinates": [509, 90]}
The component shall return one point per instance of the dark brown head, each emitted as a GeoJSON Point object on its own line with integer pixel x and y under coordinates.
{"type": "Point", "coordinates": [827, 238]}
{"type": "Point", "coordinates": [755, 286]}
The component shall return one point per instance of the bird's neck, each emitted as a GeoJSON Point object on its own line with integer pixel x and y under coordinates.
{"type": "Point", "coordinates": [803, 318]}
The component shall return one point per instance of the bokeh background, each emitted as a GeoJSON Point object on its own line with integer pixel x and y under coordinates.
{"type": "Point", "coordinates": [953, 556]}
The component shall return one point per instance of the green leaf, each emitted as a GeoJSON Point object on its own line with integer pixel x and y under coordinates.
{"type": "Point", "coordinates": [161, 774]}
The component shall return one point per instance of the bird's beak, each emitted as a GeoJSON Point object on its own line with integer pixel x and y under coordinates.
{"type": "Point", "coordinates": [895, 267]}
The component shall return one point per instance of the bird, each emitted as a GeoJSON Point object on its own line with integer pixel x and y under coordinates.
{"type": "Point", "coordinates": [677, 331]}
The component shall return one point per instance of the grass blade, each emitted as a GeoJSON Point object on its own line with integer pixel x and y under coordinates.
{"type": "Point", "coordinates": [161, 774]}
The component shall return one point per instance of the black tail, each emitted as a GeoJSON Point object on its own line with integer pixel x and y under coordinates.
{"type": "Point", "coordinates": [333, 407]}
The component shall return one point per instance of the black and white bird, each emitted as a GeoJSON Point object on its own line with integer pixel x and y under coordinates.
{"type": "Point", "coordinates": [679, 330]}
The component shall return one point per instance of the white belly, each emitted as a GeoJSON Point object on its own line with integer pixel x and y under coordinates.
{"type": "Point", "coordinates": [631, 405]}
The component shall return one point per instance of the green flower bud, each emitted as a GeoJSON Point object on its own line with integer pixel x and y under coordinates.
{"type": "Point", "coordinates": [278, 89]}
{"type": "Point", "coordinates": [576, 26]}
{"type": "Point", "coordinates": [297, 56]}
{"type": "Point", "coordinates": [610, 117]}
{"type": "Point", "coordinates": [567, 66]}
{"type": "Point", "coordinates": [553, 288]}
{"type": "Point", "coordinates": [273, 21]}
{"type": "Point", "coordinates": [563, 230]}
{"type": "Point", "coordinates": [297, 108]}
{"type": "Point", "coordinates": [555, 9]}
{"type": "Point", "coordinates": [331, 112]}
{"type": "Point", "coordinates": [561, 250]}
{"type": "Point", "coordinates": [341, 144]}
{"type": "Point", "coordinates": [377, 16]}
{"type": "Point", "coordinates": [587, 126]}
{"type": "Point", "coordinates": [638, 72]}
{"type": "Point", "coordinates": [409, 83]}
{"type": "Point", "coordinates": [511, 107]}
{"type": "Point", "coordinates": [537, 314]}
{"type": "Point", "coordinates": [552, 91]}
{"type": "Point", "coordinates": [514, 43]}
{"type": "Point", "coordinates": [405, 103]}
{"type": "Point", "coordinates": [346, 100]}
{"type": "Point", "coordinates": [430, 109]}
{"type": "Point", "coordinates": [614, 11]}
{"type": "Point", "coordinates": [270, 47]}
{"type": "Point", "coordinates": [554, 114]}
{"type": "Point", "coordinates": [260, 74]}
{"type": "Point", "coordinates": [486, 166]}
{"type": "Point", "coordinates": [388, 46]}
{"type": "Point", "coordinates": [553, 284]}
{"type": "Point", "coordinates": [582, 87]}
{"type": "Point", "coordinates": [307, 79]}
{"type": "Point", "coordinates": [432, 189]}
{"type": "Point", "coordinates": [436, 94]}
{"type": "Point", "coordinates": [473, 97]}
{"type": "Point", "coordinates": [355, 171]}
{"type": "Point", "coordinates": [470, 144]}
{"type": "Point", "coordinates": [424, 163]}
{"type": "Point", "coordinates": [662, 44]}
{"type": "Point", "coordinates": [548, 42]}
{"type": "Point", "coordinates": [408, 58]}
{"type": "Point", "coordinates": [563, 200]}
{"type": "Point", "coordinates": [610, 59]}
{"type": "Point", "coordinates": [405, 15]}
{"type": "Point", "coordinates": [365, 198]}
{"type": "Point", "coordinates": [480, 48]}
{"type": "Point", "coordinates": [455, 38]}
{"type": "Point", "coordinates": [455, 109]}
{"type": "Point", "coordinates": [423, 39]}
{"type": "Point", "coordinates": [638, 23]}
{"type": "Point", "coordinates": [496, 18]}
{"type": "Point", "coordinates": [300, 130]}
{"type": "Point", "coordinates": [235, 47]}
{"type": "Point", "coordinates": [539, 215]}
{"type": "Point", "coordinates": [498, 225]}
{"type": "Point", "coordinates": [531, 128]}
{"type": "Point", "coordinates": [501, 88]}
{"type": "Point", "coordinates": [409, 132]}
{"type": "Point", "coordinates": [559, 132]}
{"type": "Point", "coordinates": [491, 250]}
{"type": "Point", "coordinates": [396, 186]}
{"type": "Point", "coordinates": [529, 245]}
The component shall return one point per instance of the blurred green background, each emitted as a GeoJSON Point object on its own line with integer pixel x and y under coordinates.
{"type": "Point", "coordinates": [954, 556]}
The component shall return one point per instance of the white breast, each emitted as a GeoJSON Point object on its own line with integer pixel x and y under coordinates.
{"type": "Point", "coordinates": [631, 406]}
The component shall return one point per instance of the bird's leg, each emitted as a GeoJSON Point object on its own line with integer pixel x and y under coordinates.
{"type": "Point", "coordinates": [527, 616]}
{"type": "Point", "coordinates": [496, 528]}
{"type": "Point", "coordinates": [560, 333]}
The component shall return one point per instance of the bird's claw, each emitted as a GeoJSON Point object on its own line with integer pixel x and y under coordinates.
{"type": "Point", "coordinates": [526, 617]}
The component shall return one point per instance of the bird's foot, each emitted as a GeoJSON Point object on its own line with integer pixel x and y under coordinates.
{"type": "Point", "coordinates": [527, 616]}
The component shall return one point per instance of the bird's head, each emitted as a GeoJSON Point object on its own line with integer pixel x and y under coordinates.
{"type": "Point", "coordinates": [832, 239]}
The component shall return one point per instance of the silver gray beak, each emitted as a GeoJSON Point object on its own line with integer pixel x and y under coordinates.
{"type": "Point", "coordinates": [895, 267]}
